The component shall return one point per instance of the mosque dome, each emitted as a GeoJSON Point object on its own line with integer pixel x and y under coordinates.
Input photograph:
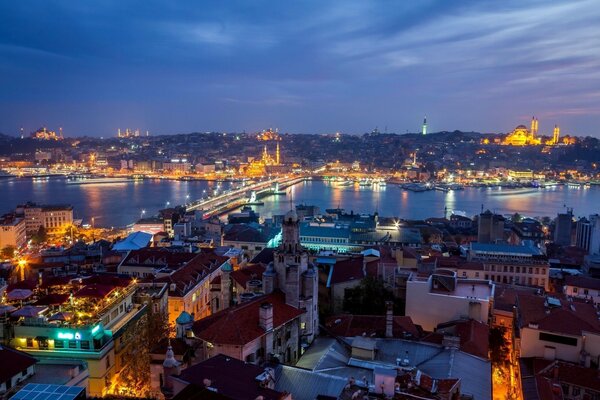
{"type": "Point", "coordinates": [184, 318]}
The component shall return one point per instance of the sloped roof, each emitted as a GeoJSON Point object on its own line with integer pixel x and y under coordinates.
{"type": "Point", "coordinates": [186, 277]}
{"type": "Point", "coordinates": [239, 325]}
{"type": "Point", "coordinates": [13, 362]}
{"type": "Point", "coordinates": [134, 241]}
{"type": "Point", "coordinates": [347, 325]}
{"type": "Point", "coordinates": [232, 378]}
{"type": "Point", "coordinates": [583, 282]}
{"type": "Point", "coordinates": [250, 271]}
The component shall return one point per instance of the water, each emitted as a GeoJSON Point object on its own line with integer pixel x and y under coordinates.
{"type": "Point", "coordinates": [121, 204]}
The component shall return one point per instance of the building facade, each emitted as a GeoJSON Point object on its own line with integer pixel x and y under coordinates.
{"type": "Point", "coordinates": [52, 218]}
{"type": "Point", "coordinates": [12, 232]}
{"type": "Point", "coordinates": [518, 265]}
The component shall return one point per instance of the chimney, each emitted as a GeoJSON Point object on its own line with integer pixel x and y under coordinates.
{"type": "Point", "coordinates": [389, 319]}
{"type": "Point", "coordinates": [265, 316]}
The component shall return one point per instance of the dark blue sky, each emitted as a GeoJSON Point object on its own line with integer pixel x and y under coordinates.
{"type": "Point", "coordinates": [303, 66]}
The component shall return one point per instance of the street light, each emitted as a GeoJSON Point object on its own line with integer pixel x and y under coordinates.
{"type": "Point", "coordinates": [142, 214]}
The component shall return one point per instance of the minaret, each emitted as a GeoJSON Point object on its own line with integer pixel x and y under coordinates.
{"type": "Point", "coordinates": [277, 154]}
{"type": "Point", "coordinates": [60, 133]}
{"type": "Point", "coordinates": [424, 131]}
{"type": "Point", "coordinates": [265, 154]}
{"type": "Point", "coordinates": [534, 127]}
{"type": "Point", "coordinates": [170, 368]}
{"type": "Point", "coordinates": [556, 134]}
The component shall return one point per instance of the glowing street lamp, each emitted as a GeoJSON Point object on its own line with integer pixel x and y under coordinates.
{"type": "Point", "coordinates": [142, 214]}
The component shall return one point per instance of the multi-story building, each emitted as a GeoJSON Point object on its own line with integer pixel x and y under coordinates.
{"type": "Point", "coordinates": [52, 218]}
{"type": "Point", "coordinates": [520, 265]}
{"type": "Point", "coordinates": [275, 325]}
{"type": "Point", "coordinates": [583, 287]}
{"type": "Point", "coordinates": [442, 297]}
{"type": "Point", "coordinates": [557, 329]}
{"type": "Point", "coordinates": [189, 286]}
{"type": "Point", "coordinates": [96, 322]}
{"type": "Point", "coordinates": [587, 234]}
{"type": "Point", "coordinates": [562, 228]}
{"type": "Point", "coordinates": [490, 227]}
{"type": "Point", "coordinates": [12, 231]}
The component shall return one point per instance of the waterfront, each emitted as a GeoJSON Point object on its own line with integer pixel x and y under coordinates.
{"type": "Point", "coordinates": [119, 204]}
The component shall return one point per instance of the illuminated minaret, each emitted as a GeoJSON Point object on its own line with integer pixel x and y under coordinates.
{"type": "Point", "coordinates": [277, 154]}
{"type": "Point", "coordinates": [556, 134]}
{"type": "Point", "coordinates": [265, 154]}
{"type": "Point", "coordinates": [534, 127]}
{"type": "Point", "coordinates": [60, 134]}
{"type": "Point", "coordinates": [424, 126]}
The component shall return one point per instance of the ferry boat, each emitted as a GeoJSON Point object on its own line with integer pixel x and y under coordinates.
{"type": "Point", "coordinates": [98, 180]}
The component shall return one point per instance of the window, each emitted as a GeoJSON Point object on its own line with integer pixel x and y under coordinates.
{"type": "Point", "coordinates": [29, 342]}
{"type": "Point", "coordinates": [518, 270]}
{"type": "Point", "coordinates": [574, 290]}
{"type": "Point", "coordinates": [24, 373]}
{"type": "Point", "coordinates": [548, 337]}
{"type": "Point", "coordinates": [85, 344]}
{"type": "Point", "coordinates": [72, 344]}
{"type": "Point", "coordinates": [537, 271]}
{"type": "Point", "coordinates": [476, 274]}
{"type": "Point", "coordinates": [576, 391]}
{"type": "Point", "coordinates": [585, 291]}
{"type": "Point", "coordinates": [59, 344]}
{"type": "Point", "coordinates": [302, 325]}
{"type": "Point", "coordinates": [107, 362]}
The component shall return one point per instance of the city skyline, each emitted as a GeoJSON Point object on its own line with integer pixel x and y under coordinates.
{"type": "Point", "coordinates": [180, 68]}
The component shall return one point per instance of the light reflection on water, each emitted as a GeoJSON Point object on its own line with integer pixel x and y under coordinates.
{"type": "Point", "coordinates": [121, 204]}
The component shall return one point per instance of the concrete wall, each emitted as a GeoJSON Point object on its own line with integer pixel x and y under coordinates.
{"type": "Point", "coordinates": [430, 309]}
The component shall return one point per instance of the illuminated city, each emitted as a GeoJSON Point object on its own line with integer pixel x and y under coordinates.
{"type": "Point", "coordinates": [300, 200]}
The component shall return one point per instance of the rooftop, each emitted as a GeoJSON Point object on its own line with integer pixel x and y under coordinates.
{"type": "Point", "coordinates": [239, 325]}
{"type": "Point", "coordinates": [230, 377]}
{"type": "Point", "coordinates": [13, 362]}
{"type": "Point", "coordinates": [504, 249]}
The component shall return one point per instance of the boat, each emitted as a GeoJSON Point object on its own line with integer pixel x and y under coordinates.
{"type": "Point", "coordinates": [417, 187]}
{"type": "Point", "coordinates": [98, 180]}
{"type": "Point", "coordinates": [4, 174]}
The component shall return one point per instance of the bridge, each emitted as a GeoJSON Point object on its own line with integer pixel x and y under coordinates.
{"type": "Point", "coordinates": [232, 199]}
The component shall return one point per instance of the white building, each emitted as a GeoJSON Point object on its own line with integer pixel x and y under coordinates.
{"type": "Point", "coordinates": [557, 329]}
{"type": "Point", "coordinates": [12, 232]}
{"type": "Point", "coordinates": [442, 297]}
{"type": "Point", "coordinates": [583, 287]}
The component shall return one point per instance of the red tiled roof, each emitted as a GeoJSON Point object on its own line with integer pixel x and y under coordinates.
{"type": "Point", "coordinates": [574, 375]}
{"type": "Point", "coordinates": [243, 275]}
{"type": "Point", "coordinates": [358, 325]}
{"type": "Point", "coordinates": [240, 325]}
{"type": "Point", "coordinates": [13, 362]}
{"type": "Point", "coordinates": [97, 291]}
{"type": "Point", "coordinates": [583, 282]}
{"type": "Point", "coordinates": [570, 318]}
{"type": "Point", "coordinates": [474, 337]}
{"type": "Point", "coordinates": [232, 378]}
{"type": "Point", "coordinates": [186, 277]}
{"type": "Point", "coordinates": [347, 270]}
{"type": "Point", "coordinates": [52, 299]}
{"type": "Point", "coordinates": [157, 257]}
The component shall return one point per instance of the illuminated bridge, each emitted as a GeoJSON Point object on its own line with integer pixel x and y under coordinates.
{"type": "Point", "coordinates": [238, 197]}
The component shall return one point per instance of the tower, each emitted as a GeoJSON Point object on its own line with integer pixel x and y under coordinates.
{"type": "Point", "coordinates": [424, 129]}
{"type": "Point", "coordinates": [277, 154]}
{"type": "Point", "coordinates": [534, 127]}
{"type": "Point", "coordinates": [265, 155]}
{"type": "Point", "coordinates": [294, 276]}
{"type": "Point", "coordinates": [556, 134]}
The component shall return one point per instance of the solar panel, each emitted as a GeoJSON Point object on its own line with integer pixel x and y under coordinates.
{"type": "Point", "coordinates": [33, 391]}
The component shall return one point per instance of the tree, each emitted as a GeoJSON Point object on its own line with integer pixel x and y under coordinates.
{"type": "Point", "coordinates": [369, 298]}
{"type": "Point", "coordinates": [8, 252]}
{"type": "Point", "coordinates": [498, 346]}
{"type": "Point", "coordinates": [517, 218]}
{"type": "Point", "coordinates": [134, 379]}
{"type": "Point", "coordinates": [40, 236]}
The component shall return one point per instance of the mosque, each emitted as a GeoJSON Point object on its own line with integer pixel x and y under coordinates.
{"type": "Point", "coordinates": [521, 136]}
{"type": "Point", "coordinates": [258, 167]}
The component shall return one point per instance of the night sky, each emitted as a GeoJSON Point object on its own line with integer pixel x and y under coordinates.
{"type": "Point", "coordinates": [303, 66]}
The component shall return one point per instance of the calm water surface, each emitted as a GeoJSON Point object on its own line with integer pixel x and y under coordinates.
{"type": "Point", "coordinates": [121, 204]}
